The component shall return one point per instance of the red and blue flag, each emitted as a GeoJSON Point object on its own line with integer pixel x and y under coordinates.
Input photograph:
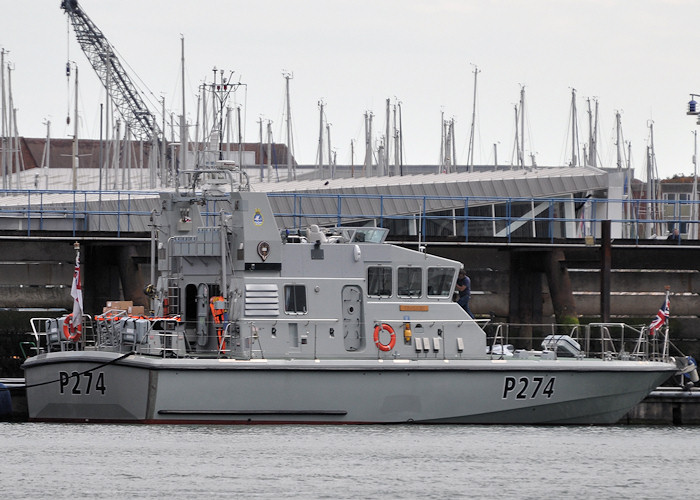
{"type": "Point", "coordinates": [661, 317]}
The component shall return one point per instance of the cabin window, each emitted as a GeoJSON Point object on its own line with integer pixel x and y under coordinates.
{"type": "Point", "coordinates": [440, 281]}
{"type": "Point", "coordinates": [409, 281]}
{"type": "Point", "coordinates": [379, 281]}
{"type": "Point", "coordinates": [295, 299]}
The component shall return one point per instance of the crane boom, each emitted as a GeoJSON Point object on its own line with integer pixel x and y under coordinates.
{"type": "Point", "coordinates": [99, 51]}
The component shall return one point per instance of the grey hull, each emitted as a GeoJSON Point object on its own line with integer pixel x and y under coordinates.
{"type": "Point", "coordinates": [94, 387]}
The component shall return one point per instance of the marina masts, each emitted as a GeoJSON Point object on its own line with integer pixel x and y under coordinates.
{"type": "Point", "coordinates": [574, 131]}
{"type": "Point", "coordinates": [320, 139]}
{"type": "Point", "coordinates": [3, 119]}
{"type": "Point", "coordinates": [183, 125]}
{"type": "Point", "coordinates": [694, 195]}
{"type": "Point", "coordinates": [470, 154]}
{"type": "Point", "coordinates": [367, 170]}
{"type": "Point", "coordinates": [291, 170]}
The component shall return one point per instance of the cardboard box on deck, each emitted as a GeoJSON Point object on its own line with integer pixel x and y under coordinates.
{"type": "Point", "coordinates": [125, 305]}
{"type": "Point", "coordinates": [119, 304]}
{"type": "Point", "coordinates": [136, 311]}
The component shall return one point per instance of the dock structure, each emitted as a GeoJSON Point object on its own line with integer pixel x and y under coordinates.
{"type": "Point", "coordinates": [539, 245]}
{"type": "Point", "coordinates": [667, 406]}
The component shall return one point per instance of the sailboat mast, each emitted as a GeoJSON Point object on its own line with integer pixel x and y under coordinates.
{"type": "Point", "coordinates": [163, 152]}
{"type": "Point", "coordinates": [574, 130]}
{"type": "Point", "coordinates": [3, 131]}
{"type": "Point", "coordinates": [368, 143]}
{"type": "Point", "coordinates": [331, 170]}
{"type": "Point", "coordinates": [516, 148]}
{"type": "Point", "coordinates": [320, 139]}
{"type": "Point", "coordinates": [470, 155]}
{"type": "Point", "coordinates": [592, 135]}
{"type": "Point", "coordinates": [12, 131]}
{"type": "Point", "coordinates": [387, 149]}
{"type": "Point", "coordinates": [269, 150]}
{"type": "Point", "coordinates": [618, 144]}
{"type": "Point", "coordinates": [400, 141]}
{"type": "Point", "coordinates": [694, 196]}
{"type": "Point", "coordinates": [594, 146]}
{"type": "Point", "coordinates": [240, 136]}
{"type": "Point", "coordinates": [352, 157]}
{"type": "Point", "coordinates": [651, 181]}
{"type": "Point", "coordinates": [521, 156]}
{"type": "Point", "coordinates": [260, 153]}
{"type": "Point", "coordinates": [442, 142]}
{"type": "Point", "coordinates": [291, 171]}
{"type": "Point", "coordinates": [183, 124]}
{"type": "Point", "coordinates": [45, 157]}
{"type": "Point", "coordinates": [396, 145]}
{"type": "Point", "coordinates": [453, 154]}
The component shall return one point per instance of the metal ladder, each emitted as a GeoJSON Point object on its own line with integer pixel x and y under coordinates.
{"type": "Point", "coordinates": [173, 298]}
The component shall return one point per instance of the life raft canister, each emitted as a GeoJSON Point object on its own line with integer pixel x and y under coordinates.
{"type": "Point", "coordinates": [71, 332]}
{"type": "Point", "coordinates": [218, 315]}
{"type": "Point", "coordinates": [384, 327]}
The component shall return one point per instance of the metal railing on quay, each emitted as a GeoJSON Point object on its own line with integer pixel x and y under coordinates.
{"type": "Point", "coordinates": [464, 218]}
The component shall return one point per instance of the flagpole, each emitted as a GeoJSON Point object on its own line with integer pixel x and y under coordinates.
{"type": "Point", "coordinates": [77, 294]}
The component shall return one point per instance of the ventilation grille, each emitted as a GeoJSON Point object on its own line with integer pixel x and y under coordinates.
{"type": "Point", "coordinates": [262, 300]}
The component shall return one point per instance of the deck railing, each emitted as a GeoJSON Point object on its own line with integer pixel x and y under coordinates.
{"type": "Point", "coordinates": [595, 340]}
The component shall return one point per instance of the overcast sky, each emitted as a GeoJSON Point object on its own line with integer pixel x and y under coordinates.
{"type": "Point", "coordinates": [639, 58]}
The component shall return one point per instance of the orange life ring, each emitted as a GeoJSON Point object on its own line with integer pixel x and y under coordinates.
{"type": "Point", "coordinates": [392, 342]}
{"type": "Point", "coordinates": [69, 331]}
{"type": "Point", "coordinates": [218, 315]}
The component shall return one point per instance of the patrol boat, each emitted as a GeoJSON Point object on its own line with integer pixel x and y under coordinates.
{"type": "Point", "coordinates": [250, 324]}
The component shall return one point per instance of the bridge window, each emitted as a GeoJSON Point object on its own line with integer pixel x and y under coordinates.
{"type": "Point", "coordinates": [295, 299]}
{"type": "Point", "coordinates": [379, 281]}
{"type": "Point", "coordinates": [440, 281]}
{"type": "Point", "coordinates": [409, 281]}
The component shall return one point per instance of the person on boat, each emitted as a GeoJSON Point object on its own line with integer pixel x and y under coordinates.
{"type": "Point", "coordinates": [674, 236]}
{"type": "Point", "coordinates": [464, 289]}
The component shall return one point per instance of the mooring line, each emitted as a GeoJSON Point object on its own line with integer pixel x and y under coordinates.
{"type": "Point", "coordinates": [76, 374]}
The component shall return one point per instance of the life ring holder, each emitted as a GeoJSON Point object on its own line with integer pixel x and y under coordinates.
{"type": "Point", "coordinates": [69, 331]}
{"type": "Point", "coordinates": [378, 343]}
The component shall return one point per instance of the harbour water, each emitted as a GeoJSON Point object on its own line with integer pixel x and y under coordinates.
{"type": "Point", "coordinates": [335, 462]}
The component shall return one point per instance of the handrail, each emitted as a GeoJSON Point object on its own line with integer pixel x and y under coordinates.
{"type": "Point", "coordinates": [604, 340]}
